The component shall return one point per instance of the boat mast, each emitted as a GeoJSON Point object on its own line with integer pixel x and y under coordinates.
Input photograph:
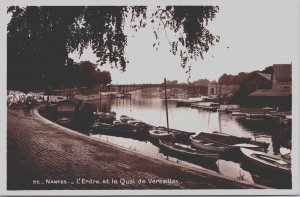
{"type": "Point", "coordinates": [100, 100]}
{"type": "Point", "coordinates": [166, 105]}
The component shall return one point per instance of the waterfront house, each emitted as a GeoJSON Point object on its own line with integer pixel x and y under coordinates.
{"type": "Point", "coordinates": [256, 81]}
{"type": "Point", "coordinates": [273, 91]}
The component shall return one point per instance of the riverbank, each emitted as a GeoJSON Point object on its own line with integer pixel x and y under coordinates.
{"type": "Point", "coordinates": [42, 155]}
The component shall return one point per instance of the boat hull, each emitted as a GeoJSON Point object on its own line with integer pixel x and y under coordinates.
{"type": "Point", "coordinates": [157, 134]}
{"type": "Point", "coordinates": [206, 146]}
{"type": "Point", "coordinates": [221, 142]}
{"type": "Point", "coordinates": [267, 162]}
{"type": "Point", "coordinates": [188, 152]}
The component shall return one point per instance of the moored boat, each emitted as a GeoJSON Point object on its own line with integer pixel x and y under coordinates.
{"type": "Point", "coordinates": [267, 162]}
{"type": "Point", "coordinates": [157, 133]}
{"type": "Point", "coordinates": [141, 127]}
{"type": "Point", "coordinates": [208, 145]}
{"type": "Point", "coordinates": [182, 136]}
{"type": "Point", "coordinates": [238, 113]}
{"type": "Point", "coordinates": [212, 107]}
{"type": "Point", "coordinates": [177, 135]}
{"type": "Point", "coordinates": [221, 142]}
{"type": "Point", "coordinates": [105, 117]}
{"type": "Point", "coordinates": [190, 101]}
{"type": "Point", "coordinates": [116, 128]}
{"type": "Point", "coordinates": [201, 104]}
{"type": "Point", "coordinates": [187, 151]}
{"type": "Point", "coordinates": [124, 118]}
{"type": "Point", "coordinates": [229, 108]}
{"type": "Point", "coordinates": [160, 133]}
{"type": "Point", "coordinates": [183, 103]}
{"type": "Point", "coordinates": [256, 115]}
{"type": "Point", "coordinates": [222, 138]}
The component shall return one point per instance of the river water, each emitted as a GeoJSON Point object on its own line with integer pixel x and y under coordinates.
{"type": "Point", "coordinates": [152, 110]}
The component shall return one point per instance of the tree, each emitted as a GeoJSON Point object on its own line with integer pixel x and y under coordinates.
{"type": "Point", "coordinates": [91, 76]}
{"type": "Point", "coordinates": [201, 82]}
{"type": "Point", "coordinates": [268, 70]}
{"type": "Point", "coordinates": [40, 38]}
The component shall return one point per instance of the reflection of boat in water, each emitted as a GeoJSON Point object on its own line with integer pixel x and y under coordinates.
{"type": "Point", "coordinates": [267, 162]}
{"type": "Point", "coordinates": [188, 151]}
{"type": "Point", "coordinates": [221, 142]}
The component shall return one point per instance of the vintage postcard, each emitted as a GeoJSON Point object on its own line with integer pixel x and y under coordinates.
{"type": "Point", "coordinates": [150, 98]}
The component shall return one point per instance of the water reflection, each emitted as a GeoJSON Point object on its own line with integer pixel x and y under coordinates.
{"type": "Point", "coordinates": [152, 111]}
{"type": "Point", "coordinates": [264, 177]}
{"type": "Point", "coordinates": [152, 150]}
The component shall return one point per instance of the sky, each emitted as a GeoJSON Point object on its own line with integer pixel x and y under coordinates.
{"type": "Point", "coordinates": [253, 34]}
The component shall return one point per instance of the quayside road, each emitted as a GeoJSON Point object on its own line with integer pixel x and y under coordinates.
{"type": "Point", "coordinates": [42, 155]}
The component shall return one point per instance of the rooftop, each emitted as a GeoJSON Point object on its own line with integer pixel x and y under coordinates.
{"type": "Point", "coordinates": [272, 92]}
{"type": "Point", "coordinates": [265, 75]}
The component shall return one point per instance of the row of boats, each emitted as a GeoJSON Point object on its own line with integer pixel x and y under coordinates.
{"type": "Point", "coordinates": [210, 104]}
{"type": "Point", "coordinates": [106, 123]}
{"type": "Point", "coordinates": [202, 102]}
{"type": "Point", "coordinates": [203, 147]}
{"type": "Point", "coordinates": [206, 147]}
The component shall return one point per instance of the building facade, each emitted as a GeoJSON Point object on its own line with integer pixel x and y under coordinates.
{"type": "Point", "coordinates": [266, 90]}
{"type": "Point", "coordinates": [216, 89]}
{"type": "Point", "coordinates": [282, 76]}
{"type": "Point", "coordinates": [255, 82]}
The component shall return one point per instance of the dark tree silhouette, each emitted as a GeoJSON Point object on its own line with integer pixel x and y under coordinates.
{"type": "Point", "coordinates": [268, 70]}
{"type": "Point", "coordinates": [201, 82]}
{"type": "Point", "coordinates": [91, 76]}
{"type": "Point", "coordinates": [39, 39]}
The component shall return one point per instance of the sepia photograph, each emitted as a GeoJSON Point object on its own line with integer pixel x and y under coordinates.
{"type": "Point", "coordinates": [148, 98]}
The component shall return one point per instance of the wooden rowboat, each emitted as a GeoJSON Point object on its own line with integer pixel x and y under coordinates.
{"type": "Point", "coordinates": [160, 133]}
{"type": "Point", "coordinates": [221, 142]}
{"type": "Point", "coordinates": [267, 162]}
{"type": "Point", "coordinates": [208, 145]}
{"type": "Point", "coordinates": [187, 151]}
{"type": "Point", "coordinates": [124, 118]}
